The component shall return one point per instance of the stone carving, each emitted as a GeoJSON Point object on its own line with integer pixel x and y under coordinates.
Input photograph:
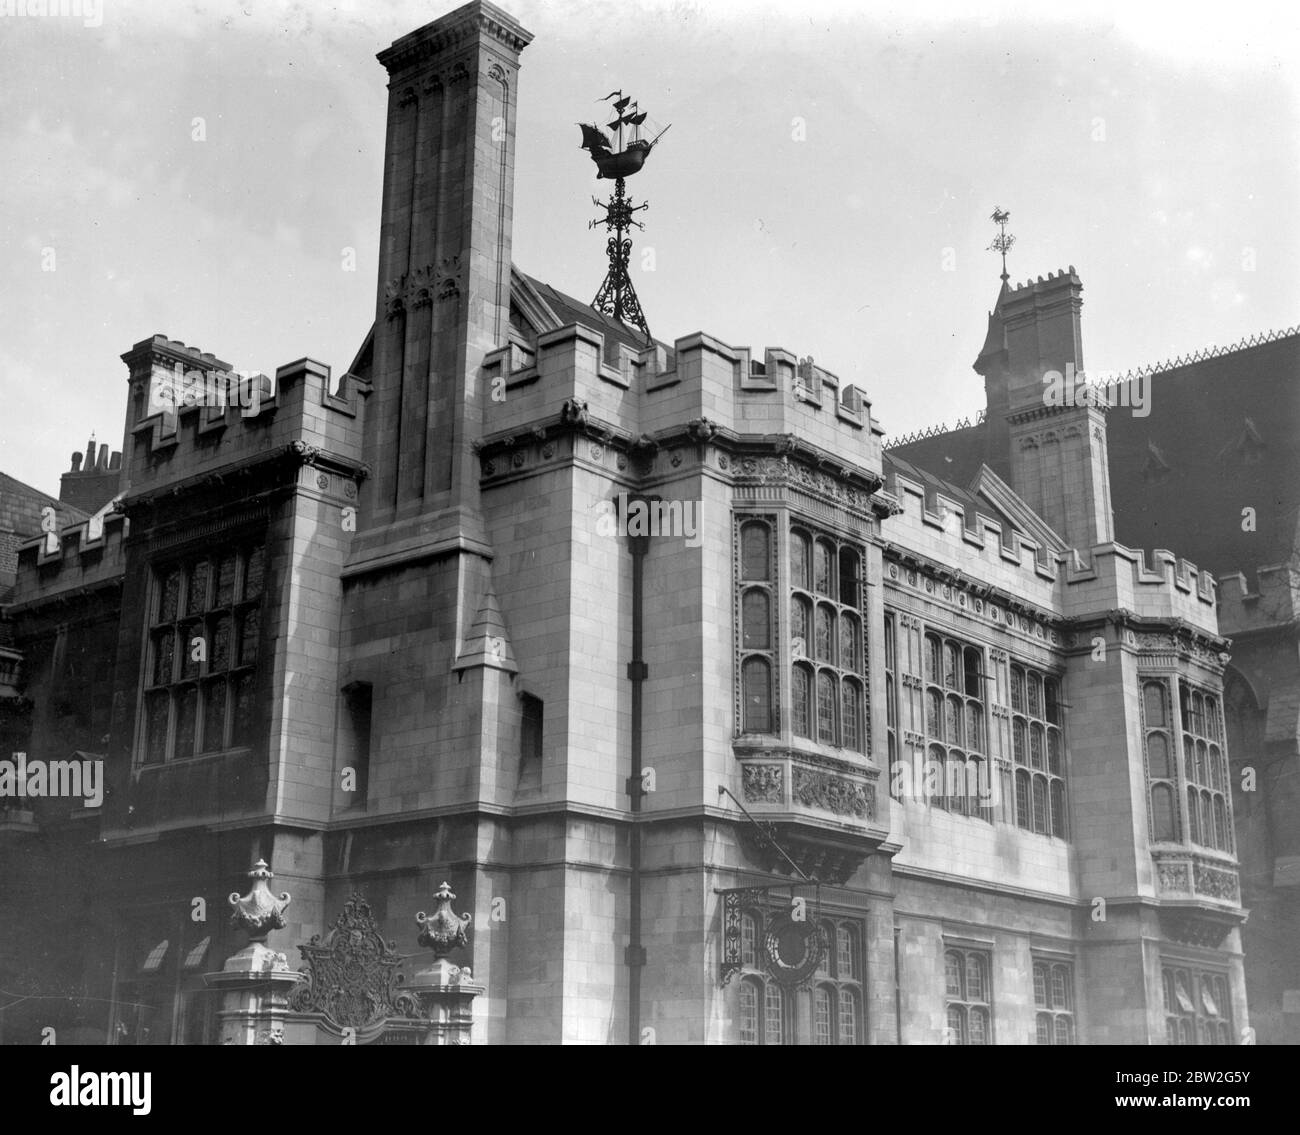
{"type": "Point", "coordinates": [832, 793]}
{"type": "Point", "coordinates": [1173, 877]}
{"type": "Point", "coordinates": [701, 429]}
{"type": "Point", "coordinates": [574, 411]}
{"type": "Point", "coordinates": [259, 912]}
{"type": "Point", "coordinates": [1216, 883]}
{"type": "Point", "coordinates": [443, 930]}
{"type": "Point", "coordinates": [394, 303]}
{"type": "Point", "coordinates": [447, 278]}
{"type": "Point", "coordinates": [763, 784]}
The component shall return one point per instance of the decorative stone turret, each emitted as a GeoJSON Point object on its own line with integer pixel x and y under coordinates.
{"type": "Point", "coordinates": [255, 982]}
{"type": "Point", "coordinates": [445, 991]}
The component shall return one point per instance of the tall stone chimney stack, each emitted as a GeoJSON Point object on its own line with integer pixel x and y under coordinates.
{"type": "Point", "coordinates": [1053, 451]}
{"type": "Point", "coordinates": [444, 268]}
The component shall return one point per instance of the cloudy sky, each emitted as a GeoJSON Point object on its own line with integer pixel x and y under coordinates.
{"type": "Point", "coordinates": [825, 187]}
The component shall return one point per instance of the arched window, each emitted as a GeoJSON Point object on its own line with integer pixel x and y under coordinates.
{"type": "Point", "coordinates": [825, 634]}
{"type": "Point", "coordinates": [800, 551]}
{"type": "Point", "coordinates": [952, 721]}
{"type": "Point", "coordinates": [1193, 816]}
{"type": "Point", "coordinates": [846, 952]}
{"type": "Point", "coordinates": [851, 715]}
{"type": "Point", "coordinates": [1221, 824]}
{"type": "Point", "coordinates": [1162, 813]}
{"type": "Point", "coordinates": [755, 551]}
{"type": "Point", "coordinates": [823, 580]}
{"type": "Point", "coordinates": [1153, 700]}
{"type": "Point", "coordinates": [1040, 804]}
{"type": "Point", "coordinates": [1158, 763]}
{"type": "Point", "coordinates": [952, 969]}
{"type": "Point", "coordinates": [849, 643]}
{"type": "Point", "coordinates": [1024, 808]}
{"type": "Point", "coordinates": [952, 671]}
{"type": "Point", "coordinates": [934, 714]}
{"type": "Point", "coordinates": [757, 678]}
{"type": "Point", "coordinates": [1018, 731]}
{"type": "Point", "coordinates": [800, 626]}
{"type": "Point", "coordinates": [1017, 689]}
{"type": "Point", "coordinates": [956, 1025]}
{"type": "Point", "coordinates": [1058, 808]}
{"type": "Point", "coordinates": [773, 1014]}
{"type": "Point", "coordinates": [748, 940]}
{"type": "Point", "coordinates": [850, 1016]}
{"type": "Point", "coordinates": [756, 619]}
{"type": "Point", "coordinates": [801, 697]}
{"type": "Point", "coordinates": [1052, 695]}
{"type": "Point", "coordinates": [974, 678]}
{"type": "Point", "coordinates": [823, 1015]}
{"type": "Point", "coordinates": [850, 578]}
{"type": "Point", "coordinates": [933, 655]}
{"type": "Point", "coordinates": [974, 728]}
{"type": "Point", "coordinates": [1035, 695]}
{"type": "Point", "coordinates": [750, 992]}
{"type": "Point", "coordinates": [826, 708]}
{"type": "Point", "coordinates": [1036, 746]}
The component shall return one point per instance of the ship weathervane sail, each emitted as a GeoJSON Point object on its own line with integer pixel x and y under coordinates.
{"type": "Point", "coordinates": [618, 155]}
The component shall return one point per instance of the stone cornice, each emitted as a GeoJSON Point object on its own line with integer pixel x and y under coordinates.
{"type": "Point", "coordinates": [454, 30]}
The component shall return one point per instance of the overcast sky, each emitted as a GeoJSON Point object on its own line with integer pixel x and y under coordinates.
{"type": "Point", "coordinates": [1155, 150]}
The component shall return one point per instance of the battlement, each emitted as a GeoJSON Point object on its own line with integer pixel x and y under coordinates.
{"type": "Point", "coordinates": [654, 390]}
{"type": "Point", "coordinates": [1272, 599]}
{"type": "Point", "coordinates": [65, 563]}
{"type": "Point", "coordinates": [1113, 577]}
{"type": "Point", "coordinates": [1063, 278]}
{"type": "Point", "coordinates": [189, 413]}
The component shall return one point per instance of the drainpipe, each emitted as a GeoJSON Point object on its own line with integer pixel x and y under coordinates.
{"type": "Point", "coordinates": [634, 956]}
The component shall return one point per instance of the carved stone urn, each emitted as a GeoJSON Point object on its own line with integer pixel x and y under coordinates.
{"type": "Point", "coordinates": [254, 983]}
{"type": "Point", "coordinates": [258, 913]}
{"type": "Point", "coordinates": [445, 991]}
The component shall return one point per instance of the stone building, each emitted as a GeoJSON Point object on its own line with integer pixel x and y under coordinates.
{"type": "Point", "coordinates": [727, 725]}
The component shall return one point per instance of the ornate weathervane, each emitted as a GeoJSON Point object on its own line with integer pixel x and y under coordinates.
{"type": "Point", "coordinates": [618, 158]}
{"type": "Point", "coordinates": [1004, 240]}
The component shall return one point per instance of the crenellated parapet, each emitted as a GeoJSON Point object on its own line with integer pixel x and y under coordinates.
{"type": "Point", "coordinates": [69, 564]}
{"type": "Point", "coordinates": [191, 415]}
{"type": "Point", "coordinates": [1270, 601]}
{"type": "Point", "coordinates": [656, 392]}
{"type": "Point", "coordinates": [1042, 573]}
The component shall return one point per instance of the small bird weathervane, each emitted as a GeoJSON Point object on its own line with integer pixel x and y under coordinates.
{"type": "Point", "coordinates": [1004, 240]}
{"type": "Point", "coordinates": [618, 155]}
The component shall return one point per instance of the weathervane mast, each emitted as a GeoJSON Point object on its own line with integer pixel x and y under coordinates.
{"type": "Point", "coordinates": [617, 297]}
{"type": "Point", "coordinates": [1004, 240]}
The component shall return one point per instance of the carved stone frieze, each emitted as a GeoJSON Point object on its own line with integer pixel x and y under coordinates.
{"type": "Point", "coordinates": [815, 789]}
{"type": "Point", "coordinates": [1216, 883]}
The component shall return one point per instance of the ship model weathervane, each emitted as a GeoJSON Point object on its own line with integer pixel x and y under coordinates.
{"type": "Point", "coordinates": [618, 155]}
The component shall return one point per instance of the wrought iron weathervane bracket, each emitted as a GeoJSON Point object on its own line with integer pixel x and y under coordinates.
{"type": "Point", "coordinates": [617, 297]}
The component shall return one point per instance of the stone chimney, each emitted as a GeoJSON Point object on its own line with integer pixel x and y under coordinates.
{"type": "Point", "coordinates": [93, 480]}
{"type": "Point", "coordinates": [1050, 445]}
{"type": "Point", "coordinates": [444, 266]}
